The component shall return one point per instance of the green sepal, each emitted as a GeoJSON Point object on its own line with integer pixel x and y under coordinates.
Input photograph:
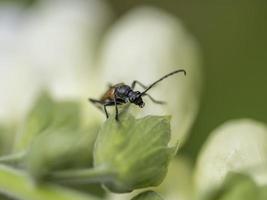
{"type": "Point", "coordinates": [135, 150]}
{"type": "Point", "coordinates": [47, 113]}
{"type": "Point", "coordinates": [60, 149]}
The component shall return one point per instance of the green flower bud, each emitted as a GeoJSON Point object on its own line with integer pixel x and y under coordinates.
{"type": "Point", "coordinates": [148, 195]}
{"type": "Point", "coordinates": [135, 151]}
{"type": "Point", "coordinates": [60, 149]}
{"type": "Point", "coordinates": [38, 118]}
{"type": "Point", "coordinates": [47, 113]}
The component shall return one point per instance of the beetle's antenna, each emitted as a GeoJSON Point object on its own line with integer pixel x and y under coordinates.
{"type": "Point", "coordinates": [162, 78]}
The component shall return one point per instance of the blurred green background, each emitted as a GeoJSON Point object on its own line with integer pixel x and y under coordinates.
{"type": "Point", "coordinates": [232, 36]}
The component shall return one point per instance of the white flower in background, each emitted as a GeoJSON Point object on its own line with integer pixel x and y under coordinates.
{"type": "Point", "coordinates": [15, 86]}
{"type": "Point", "coordinates": [146, 44]}
{"type": "Point", "coordinates": [178, 183]}
{"type": "Point", "coordinates": [54, 44]}
{"type": "Point", "coordinates": [239, 146]}
{"type": "Point", "coordinates": [51, 44]}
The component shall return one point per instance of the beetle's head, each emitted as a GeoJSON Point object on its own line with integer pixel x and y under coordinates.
{"type": "Point", "coordinates": [136, 98]}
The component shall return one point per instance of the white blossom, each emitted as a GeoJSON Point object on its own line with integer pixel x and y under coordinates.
{"type": "Point", "coordinates": [239, 146]}
{"type": "Point", "coordinates": [146, 44]}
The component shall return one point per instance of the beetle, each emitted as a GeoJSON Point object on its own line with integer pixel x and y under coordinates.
{"type": "Point", "coordinates": [121, 94]}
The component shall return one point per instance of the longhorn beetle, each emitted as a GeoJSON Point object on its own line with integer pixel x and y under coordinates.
{"type": "Point", "coordinates": [121, 93]}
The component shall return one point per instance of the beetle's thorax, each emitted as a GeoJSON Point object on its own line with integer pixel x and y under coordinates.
{"type": "Point", "coordinates": [126, 93]}
{"type": "Point", "coordinates": [123, 91]}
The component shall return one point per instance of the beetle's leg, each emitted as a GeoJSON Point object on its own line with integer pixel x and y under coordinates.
{"type": "Point", "coordinates": [100, 105]}
{"type": "Point", "coordinates": [115, 103]}
{"type": "Point", "coordinates": [108, 103]}
{"type": "Point", "coordinates": [116, 109]}
{"type": "Point", "coordinates": [105, 109]}
{"type": "Point", "coordinates": [139, 83]}
{"type": "Point", "coordinates": [154, 100]}
{"type": "Point", "coordinates": [97, 103]}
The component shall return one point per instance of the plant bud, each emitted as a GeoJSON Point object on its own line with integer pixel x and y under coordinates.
{"type": "Point", "coordinates": [135, 151]}
{"type": "Point", "coordinates": [47, 113]}
{"type": "Point", "coordinates": [38, 118]}
{"type": "Point", "coordinates": [60, 149]}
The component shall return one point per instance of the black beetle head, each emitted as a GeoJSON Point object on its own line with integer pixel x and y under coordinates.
{"type": "Point", "coordinates": [136, 98]}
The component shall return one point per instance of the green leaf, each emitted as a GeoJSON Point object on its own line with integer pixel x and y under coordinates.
{"type": "Point", "coordinates": [67, 114]}
{"type": "Point", "coordinates": [14, 159]}
{"type": "Point", "coordinates": [18, 185]}
{"type": "Point", "coordinates": [47, 113]}
{"type": "Point", "coordinates": [263, 192]}
{"type": "Point", "coordinates": [60, 149]}
{"type": "Point", "coordinates": [6, 138]}
{"type": "Point", "coordinates": [148, 195]}
{"type": "Point", "coordinates": [94, 189]}
{"type": "Point", "coordinates": [135, 150]}
{"type": "Point", "coordinates": [238, 187]}
{"type": "Point", "coordinates": [39, 117]}
{"type": "Point", "coordinates": [4, 197]}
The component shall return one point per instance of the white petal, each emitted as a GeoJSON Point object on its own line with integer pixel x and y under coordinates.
{"type": "Point", "coordinates": [61, 37]}
{"type": "Point", "coordinates": [52, 44]}
{"type": "Point", "coordinates": [146, 44]}
{"type": "Point", "coordinates": [178, 183]}
{"type": "Point", "coordinates": [17, 87]}
{"type": "Point", "coordinates": [238, 145]}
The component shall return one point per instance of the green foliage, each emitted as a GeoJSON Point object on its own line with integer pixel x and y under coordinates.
{"type": "Point", "coordinates": [239, 187]}
{"type": "Point", "coordinates": [129, 154]}
{"type": "Point", "coordinates": [18, 185]}
{"type": "Point", "coordinates": [148, 195]}
{"type": "Point", "coordinates": [135, 150]}
{"type": "Point", "coordinates": [39, 117]}
{"type": "Point", "coordinates": [61, 148]}
{"type": "Point", "coordinates": [4, 140]}
{"type": "Point", "coordinates": [66, 114]}
{"type": "Point", "coordinates": [53, 139]}
{"type": "Point", "coordinates": [47, 113]}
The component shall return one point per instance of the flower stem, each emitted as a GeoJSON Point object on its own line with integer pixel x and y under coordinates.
{"type": "Point", "coordinates": [101, 174]}
{"type": "Point", "coordinates": [12, 158]}
{"type": "Point", "coordinates": [18, 185]}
